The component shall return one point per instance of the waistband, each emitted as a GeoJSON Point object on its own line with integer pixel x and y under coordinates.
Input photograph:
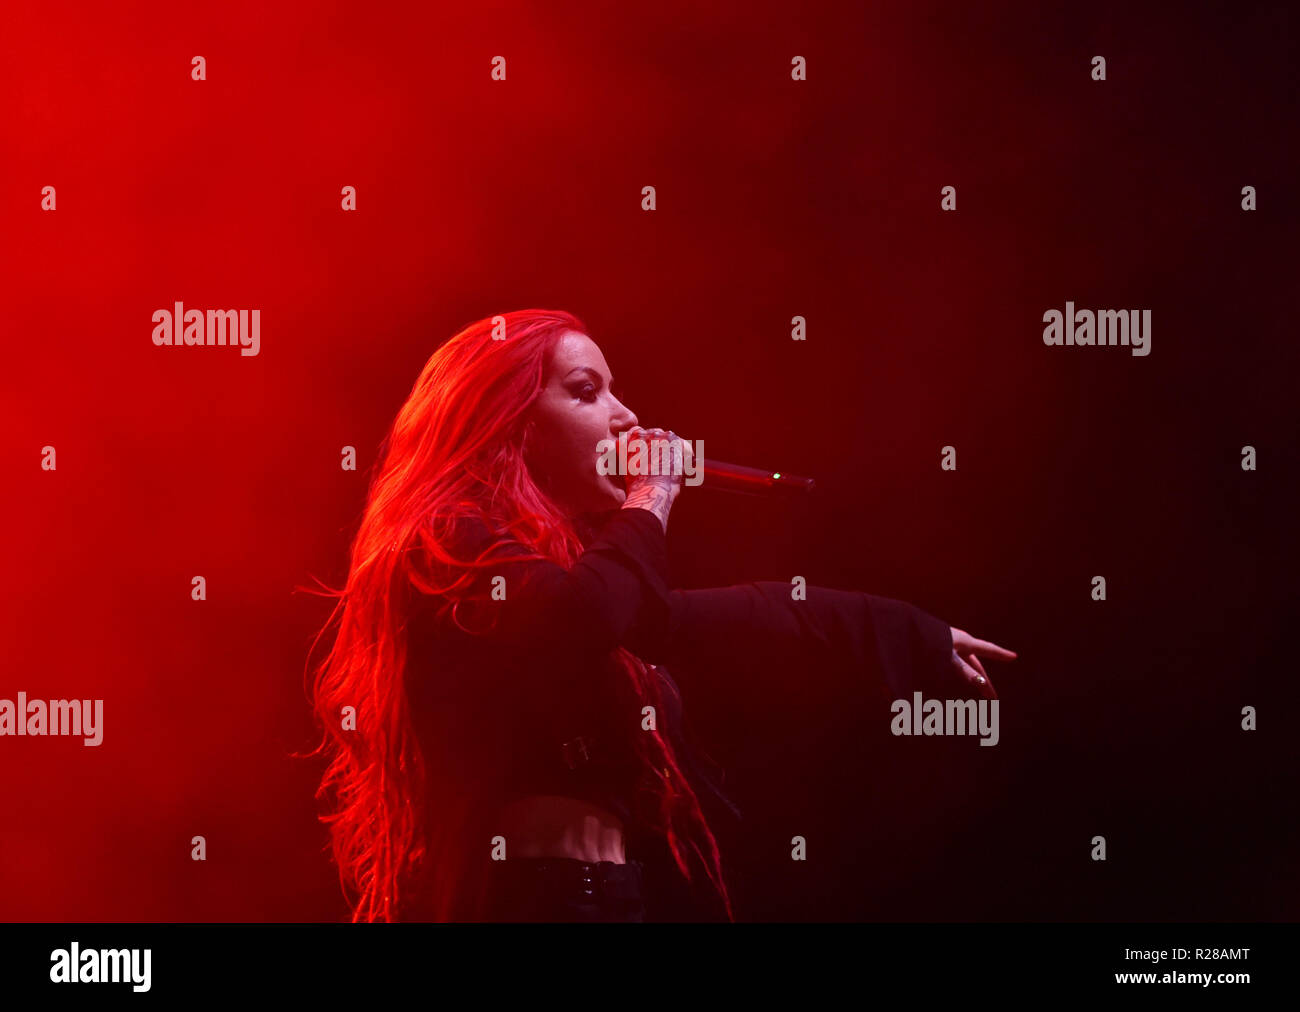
{"type": "Point", "coordinates": [604, 879]}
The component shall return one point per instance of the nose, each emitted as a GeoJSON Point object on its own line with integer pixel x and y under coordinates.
{"type": "Point", "coordinates": [622, 419]}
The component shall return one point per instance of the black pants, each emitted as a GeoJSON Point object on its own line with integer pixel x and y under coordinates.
{"type": "Point", "coordinates": [562, 889]}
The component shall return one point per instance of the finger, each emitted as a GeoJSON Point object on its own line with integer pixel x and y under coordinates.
{"type": "Point", "coordinates": [974, 662]}
{"type": "Point", "coordinates": [651, 438]}
{"type": "Point", "coordinates": [675, 465]}
{"type": "Point", "coordinates": [670, 454]}
{"type": "Point", "coordinates": [979, 682]}
{"type": "Point", "coordinates": [967, 672]}
{"type": "Point", "coordinates": [987, 649]}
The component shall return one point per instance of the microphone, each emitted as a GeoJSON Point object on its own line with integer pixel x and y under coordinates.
{"type": "Point", "coordinates": [751, 480]}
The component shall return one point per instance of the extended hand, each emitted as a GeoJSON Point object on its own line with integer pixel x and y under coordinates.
{"type": "Point", "coordinates": [966, 652]}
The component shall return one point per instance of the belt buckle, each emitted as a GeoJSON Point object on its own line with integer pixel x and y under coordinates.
{"type": "Point", "coordinates": [592, 884]}
{"type": "Point", "coordinates": [577, 751]}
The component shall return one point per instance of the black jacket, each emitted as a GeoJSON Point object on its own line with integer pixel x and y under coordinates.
{"type": "Point", "coordinates": [529, 701]}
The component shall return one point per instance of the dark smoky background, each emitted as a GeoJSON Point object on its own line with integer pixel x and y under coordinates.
{"type": "Point", "coordinates": [776, 199]}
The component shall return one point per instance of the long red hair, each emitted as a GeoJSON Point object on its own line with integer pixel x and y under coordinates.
{"type": "Point", "coordinates": [400, 833]}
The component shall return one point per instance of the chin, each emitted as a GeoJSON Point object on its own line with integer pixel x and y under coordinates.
{"type": "Point", "coordinates": [613, 495]}
{"type": "Point", "coordinates": [603, 499]}
{"type": "Point", "coordinates": [611, 502]}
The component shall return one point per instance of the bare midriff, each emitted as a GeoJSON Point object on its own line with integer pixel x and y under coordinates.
{"type": "Point", "coordinates": [548, 825]}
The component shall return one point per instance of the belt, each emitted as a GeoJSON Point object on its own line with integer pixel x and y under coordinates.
{"type": "Point", "coordinates": [599, 879]}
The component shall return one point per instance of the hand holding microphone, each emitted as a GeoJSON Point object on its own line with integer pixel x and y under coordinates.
{"type": "Point", "coordinates": [676, 462]}
{"type": "Point", "coordinates": [658, 492]}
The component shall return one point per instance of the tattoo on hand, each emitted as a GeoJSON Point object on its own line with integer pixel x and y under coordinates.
{"type": "Point", "coordinates": [657, 499]}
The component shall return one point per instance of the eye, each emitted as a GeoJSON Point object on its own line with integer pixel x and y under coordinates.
{"type": "Point", "coordinates": [588, 393]}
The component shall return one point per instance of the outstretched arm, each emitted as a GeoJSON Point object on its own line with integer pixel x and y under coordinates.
{"type": "Point", "coordinates": [895, 646]}
{"type": "Point", "coordinates": [862, 638]}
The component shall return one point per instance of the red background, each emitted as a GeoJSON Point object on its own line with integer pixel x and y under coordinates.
{"type": "Point", "coordinates": [775, 198]}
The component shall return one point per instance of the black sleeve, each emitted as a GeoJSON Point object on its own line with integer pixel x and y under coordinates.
{"type": "Point", "coordinates": [860, 640]}
{"type": "Point", "coordinates": [569, 617]}
{"type": "Point", "coordinates": [617, 594]}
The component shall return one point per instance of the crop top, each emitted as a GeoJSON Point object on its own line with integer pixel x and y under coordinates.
{"type": "Point", "coordinates": [531, 701]}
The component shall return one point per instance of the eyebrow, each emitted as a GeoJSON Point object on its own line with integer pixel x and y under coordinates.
{"type": "Point", "coordinates": [587, 368]}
